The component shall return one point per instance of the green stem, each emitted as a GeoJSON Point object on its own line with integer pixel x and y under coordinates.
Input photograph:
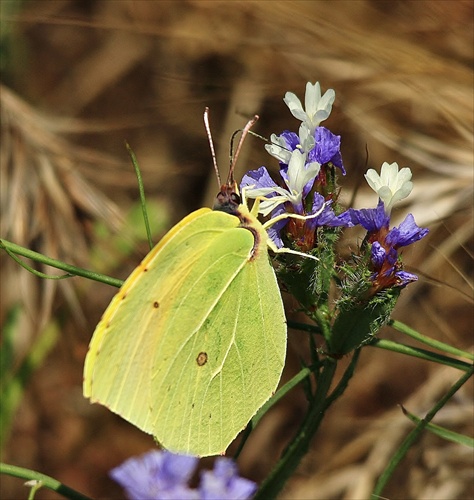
{"type": "Point", "coordinates": [141, 190]}
{"type": "Point", "coordinates": [295, 451]}
{"type": "Point", "coordinates": [442, 432]}
{"type": "Point", "coordinates": [414, 434]}
{"type": "Point", "coordinates": [304, 327]}
{"type": "Point", "coordinates": [416, 352]}
{"type": "Point", "coordinates": [76, 271]}
{"type": "Point", "coordinates": [436, 344]}
{"type": "Point", "coordinates": [301, 375]}
{"type": "Point", "coordinates": [282, 391]}
{"type": "Point", "coordinates": [344, 382]}
{"type": "Point", "coordinates": [321, 316]}
{"type": "Point", "coordinates": [46, 481]}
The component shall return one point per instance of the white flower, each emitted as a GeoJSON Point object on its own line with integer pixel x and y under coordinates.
{"type": "Point", "coordinates": [317, 108]}
{"type": "Point", "coordinates": [299, 174]}
{"type": "Point", "coordinates": [278, 148]}
{"type": "Point", "coordinates": [391, 185]}
{"type": "Point", "coordinates": [307, 140]}
{"type": "Point", "coordinates": [267, 204]}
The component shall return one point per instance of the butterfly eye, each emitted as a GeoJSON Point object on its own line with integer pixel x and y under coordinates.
{"type": "Point", "coordinates": [235, 198]}
{"type": "Point", "coordinates": [221, 198]}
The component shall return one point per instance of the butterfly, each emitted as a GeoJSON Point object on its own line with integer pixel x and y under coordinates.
{"type": "Point", "coordinates": [194, 342]}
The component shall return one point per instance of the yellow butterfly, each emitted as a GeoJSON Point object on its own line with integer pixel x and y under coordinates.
{"type": "Point", "coordinates": [194, 342]}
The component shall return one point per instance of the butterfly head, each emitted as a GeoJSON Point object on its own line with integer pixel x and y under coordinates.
{"type": "Point", "coordinates": [228, 199]}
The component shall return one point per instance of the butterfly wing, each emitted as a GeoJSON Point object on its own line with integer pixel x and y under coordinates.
{"type": "Point", "coordinates": [194, 342]}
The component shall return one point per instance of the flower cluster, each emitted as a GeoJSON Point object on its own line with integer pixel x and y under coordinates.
{"type": "Point", "coordinates": [307, 161]}
{"type": "Point", "coordinates": [392, 185]}
{"type": "Point", "coordinates": [308, 164]}
{"type": "Point", "coordinates": [163, 475]}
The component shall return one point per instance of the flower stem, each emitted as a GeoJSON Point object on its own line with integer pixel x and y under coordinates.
{"type": "Point", "coordinates": [415, 433]}
{"type": "Point", "coordinates": [416, 352]}
{"type": "Point", "coordinates": [300, 445]}
{"type": "Point", "coordinates": [436, 344]}
{"type": "Point", "coordinates": [46, 481]}
{"type": "Point", "coordinates": [76, 271]}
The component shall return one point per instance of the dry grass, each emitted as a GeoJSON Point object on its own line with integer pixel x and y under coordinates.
{"type": "Point", "coordinates": [95, 73]}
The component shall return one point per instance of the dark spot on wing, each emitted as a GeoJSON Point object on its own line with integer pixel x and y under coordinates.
{"type": "Point", "coordinates": [156, 304]}
{"type": "Point", "coordinates": [201, 360]}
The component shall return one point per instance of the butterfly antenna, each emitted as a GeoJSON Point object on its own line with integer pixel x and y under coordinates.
{"type": "Point", "coordinates": [211, 144]}
{"type": "Point", "coordinates": [233, 159]}
{"type": "Point", "coordinates": [234, 135]}
{"type": "Point", "coordinates": [264, 139]}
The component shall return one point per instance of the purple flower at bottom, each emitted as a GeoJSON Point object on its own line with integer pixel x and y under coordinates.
{"type": "Point", "coordinates": [223, 483]}
{"type": "Point", "coordinates": [162, 475]}
{"type": "Point", "coordinates": [384, 250]}
{"type": "Point", "coordinates": [157, 475]}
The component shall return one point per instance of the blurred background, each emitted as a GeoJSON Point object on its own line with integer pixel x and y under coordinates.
{"type": "Point", "coordinates": [81, 77]}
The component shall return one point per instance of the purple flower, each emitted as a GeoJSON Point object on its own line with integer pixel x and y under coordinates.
{"type": "Point", "coordinates": [323, 147]}
{"type": "Point", "coordinates": [162, 475]}
{"type": "Point", "coordinates": [223, 483]}
{"type": "Point", "coordinates": [292, 141]}
{"type": "Point", "coordinates": [371, 219]}
{"type": "Point", "coordinates": [157, 475]}
{"type": "Point", "coordinates": [406, 233]}
{"type": "Point", "coordinates": [326, 216]}
{"type": "Point", "coordinates": [384, 255]}
{"type": "Point", "coordinates": [405, 278]}
{"type": "Point", "coordinates": [327, 148]}
{"type": "Point", "coordinates": [274, 231]}
{"type": "Point", "coordinates": [377, 254]}
{"type": "Point", "coordinates": [298, 179]}
{"type": "Point", "coordinates": [259, 178]}
{"type": "Point", "coordinates": [384, 261]}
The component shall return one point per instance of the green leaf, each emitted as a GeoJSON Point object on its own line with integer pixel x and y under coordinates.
{"type": "Point", "coordinates": [442, 432]}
